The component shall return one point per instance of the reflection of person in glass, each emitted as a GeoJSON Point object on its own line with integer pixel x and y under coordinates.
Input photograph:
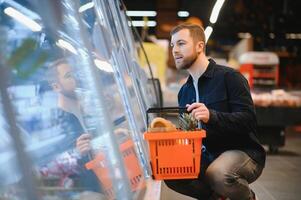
{"type": "Point", "coordinates": [70, 117]}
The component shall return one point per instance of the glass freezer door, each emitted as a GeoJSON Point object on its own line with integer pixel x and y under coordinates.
{"type": "Point", "coordinates": [148, 97]}
{"type": "Point", "coordinates": [67, 124]}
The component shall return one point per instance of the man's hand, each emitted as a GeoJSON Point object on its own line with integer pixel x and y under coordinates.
{"type": "Point", "coordinates": [199, 111]}
{"type": "Point", "coordinates": [83, 144]}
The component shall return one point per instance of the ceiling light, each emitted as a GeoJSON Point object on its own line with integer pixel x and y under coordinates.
{"type": "Point", "coordinates": [142, 23]}
{"type": "Point", "coordinates": [183, 14]}
{"type": "Point", "coordinates": [103, 65]}
{"type": "Point", "coordinates": [208, 32]}
{"type": "Point", "coordinates": [31, 24]}
{"type": "Point", "coordinates": [66, 45]}
{"type": "Point", "coordinates": [272, 35]}
{"type": "Point", "coordinates": [136, 13]}
{"type": "Point", "coordinates": [25, 11]}
{"type": "Point", "coordinates": [293, 36]}
{"type": "Point", "coordinates": [215, 11]}
{"type": "Point", "coordinates": [86, 7]}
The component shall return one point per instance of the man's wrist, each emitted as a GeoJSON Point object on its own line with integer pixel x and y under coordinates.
{"type": "Point", "coordinates": [212, 117]}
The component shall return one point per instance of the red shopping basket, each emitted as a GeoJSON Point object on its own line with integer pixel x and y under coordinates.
{"type": "Point", "coordinates": [174, 154]}
{"type": "Point", "coordinates": [134, 172]}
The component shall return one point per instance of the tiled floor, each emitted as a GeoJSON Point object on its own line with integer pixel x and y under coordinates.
{"type": "Point", "coordinates": [281, 178]}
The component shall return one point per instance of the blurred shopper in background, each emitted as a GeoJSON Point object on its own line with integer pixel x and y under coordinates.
{"type": "Point", "coordinates": [219, 98]}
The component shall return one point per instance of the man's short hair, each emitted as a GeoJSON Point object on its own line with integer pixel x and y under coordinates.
{"type": "Point", "coordinates": [52, 72]}
{"type": "Point", "coordinates": [196, 32]}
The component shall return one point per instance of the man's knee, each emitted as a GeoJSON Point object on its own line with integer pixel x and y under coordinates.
{"type": "Point", "coordinates": [221, 179]}
{"type": "Point", "coordinates": [215, 176]}
{"type": "Point", "coordinates": [227, 181]}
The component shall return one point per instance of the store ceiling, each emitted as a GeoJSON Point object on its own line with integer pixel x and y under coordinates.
{"type": "Point", "coordinates": [274, 24]}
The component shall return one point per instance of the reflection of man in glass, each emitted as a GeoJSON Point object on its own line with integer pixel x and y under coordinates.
{"type": "Point", "coordinates": [70, 117]}
{"type": "Point", "coordinates": [63, 82]}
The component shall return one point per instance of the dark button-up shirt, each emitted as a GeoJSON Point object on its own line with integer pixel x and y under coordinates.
{"type": "Point", "coordinates": [232, 122]}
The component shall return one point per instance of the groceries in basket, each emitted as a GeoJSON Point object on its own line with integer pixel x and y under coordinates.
{"type": "Point", "coordinates": [161, 124]}
{"type": "Point", "coordinates": [186, 123]}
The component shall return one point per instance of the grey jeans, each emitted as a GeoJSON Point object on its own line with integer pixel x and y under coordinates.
{"type": "Point", "coordinates": [229, 175]}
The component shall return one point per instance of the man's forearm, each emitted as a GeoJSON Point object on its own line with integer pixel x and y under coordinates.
{"type": "Point", "coordinates": [236, 123]}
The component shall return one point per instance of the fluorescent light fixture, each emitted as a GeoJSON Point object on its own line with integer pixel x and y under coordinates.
{"type": "Point", "coordinates": [215, 11]}
{"type": "Point", "coordinates": [31, 24]}
{"type": "Point", "coordinates": [103, 65]}
{"type": "Point", "coordinates": [27, 12]}
{"type": "Point", "coordinates": [136, 13]}
{"type": "Point", "coordinates": [290, 36]}
{"type": "Point", "coordinates": [183, 14]}
{"type": "Point", "coordinates": [86, 7]}
{"type": "Point", "coordinates": [208, 32]}
{"type": "Point", "coordinates": [293, 36]}
{"type": "Point", "coordinates": [66, 45]}
{"type": "Point", "coordinates": [142, 23]}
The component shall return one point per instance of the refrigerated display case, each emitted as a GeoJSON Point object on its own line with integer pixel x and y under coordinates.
{"type": "Point", "coordinates": [146, 91]}
{"type": "Point", "coordinates": [66, 71]}
{"type": "Point", "coordinates": [135, 103]}
{"type": "Point", "coordinates": [125, 50]}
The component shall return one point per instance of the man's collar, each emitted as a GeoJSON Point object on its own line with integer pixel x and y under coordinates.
{"type": "Point", "coordinates": [209, 71]}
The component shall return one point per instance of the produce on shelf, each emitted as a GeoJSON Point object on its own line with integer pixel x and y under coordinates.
{"type": "Point", "coordinates": [276, 98]}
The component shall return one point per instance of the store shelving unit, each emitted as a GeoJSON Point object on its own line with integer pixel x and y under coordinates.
{"type": "Point", "coordinates": [261, 69]}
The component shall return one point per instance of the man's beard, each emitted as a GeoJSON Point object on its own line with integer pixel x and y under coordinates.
{"type": "Point", "coordinates": [69, 94]}
{"type": "Point", "coordinates": [187, 62]}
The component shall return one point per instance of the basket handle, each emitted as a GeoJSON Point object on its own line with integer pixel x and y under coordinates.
{"type": "Point", "coordinates": [165, 110]}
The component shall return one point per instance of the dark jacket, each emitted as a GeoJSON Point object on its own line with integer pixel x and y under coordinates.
{"type": "Point", "coordinates": [72, 129]}
{"type": "Point", "coordinates": [232, 122]}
